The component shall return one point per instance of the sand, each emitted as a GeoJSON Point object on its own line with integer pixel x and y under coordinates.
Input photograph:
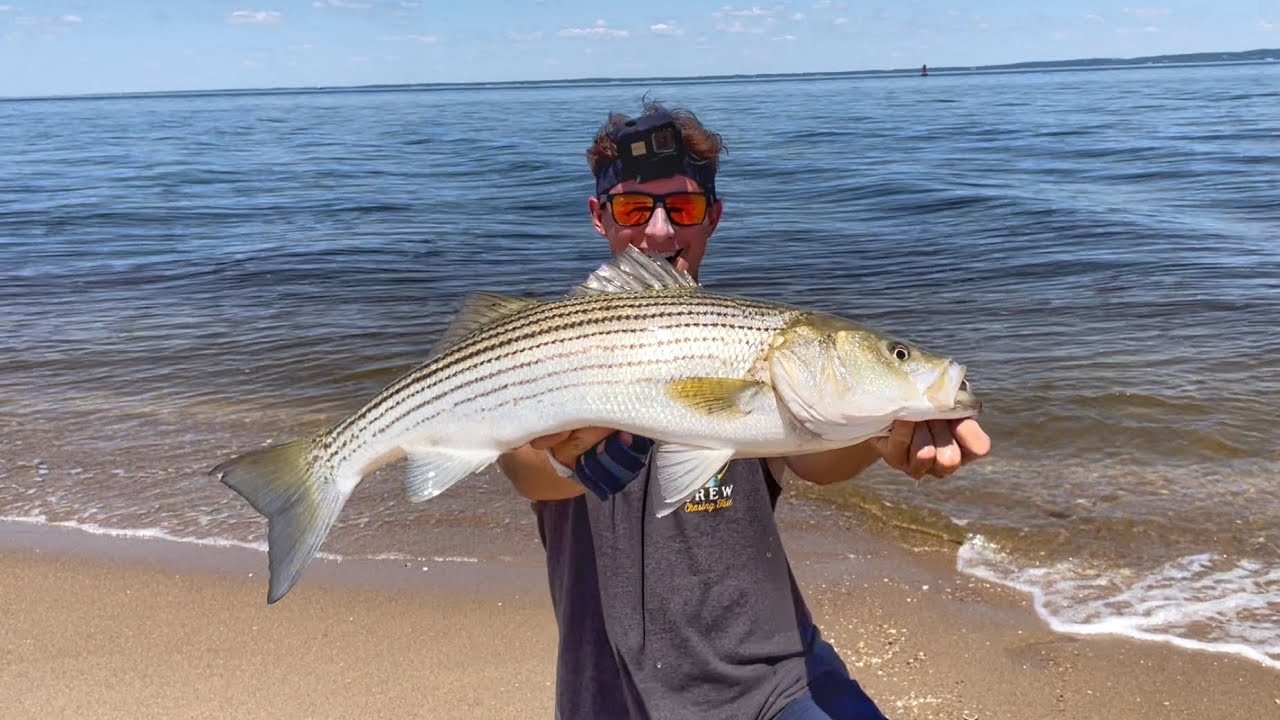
{"type": "Point", "coordinates": [94, 627]}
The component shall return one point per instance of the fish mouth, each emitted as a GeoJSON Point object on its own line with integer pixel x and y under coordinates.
{"type": "Point", "coordinates": [950, 393]}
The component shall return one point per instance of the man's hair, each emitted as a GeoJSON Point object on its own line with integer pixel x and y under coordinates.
{"type": "Point", "coordinates": [699, 142]}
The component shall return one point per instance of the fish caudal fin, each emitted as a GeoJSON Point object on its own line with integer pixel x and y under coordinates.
{"type": "Point", "coordinates": [300, 505]}
{"type": "Point", "coordinates": [681, 470]}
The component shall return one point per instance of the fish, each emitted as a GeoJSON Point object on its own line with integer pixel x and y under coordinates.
{"type": "Point", "coordinates": [639, 346]}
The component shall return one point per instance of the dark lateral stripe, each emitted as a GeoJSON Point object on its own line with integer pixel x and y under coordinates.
{"type": "Point", "coordinates": [619, 313]}
{"type": "Point", "coordinates": [500, 368]}
{"type": "Point", "coordinates": [497, 390]}
{"type": "Point", "coordinates": [478, 350]}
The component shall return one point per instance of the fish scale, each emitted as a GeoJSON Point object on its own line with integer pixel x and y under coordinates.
{"type": "Point", "coordinates": [638, 347]}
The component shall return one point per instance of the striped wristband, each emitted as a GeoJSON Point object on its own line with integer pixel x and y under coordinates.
{"type": "Point", "coordinates": [612, 466]}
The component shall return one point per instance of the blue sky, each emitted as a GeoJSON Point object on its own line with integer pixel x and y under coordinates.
{"type": "Point", "coordinates": [82, 46]}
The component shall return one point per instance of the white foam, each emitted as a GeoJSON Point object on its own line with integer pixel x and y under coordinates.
{"type": "Point", "coordinates": [148, 534]}
{"type": "Point", "coordinates": [1200, 602]}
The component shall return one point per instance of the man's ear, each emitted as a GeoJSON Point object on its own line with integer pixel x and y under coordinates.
{"type": "Point", "coordinates": [596, 208]}
{"type": "Point", "coordinates": [714, 216]}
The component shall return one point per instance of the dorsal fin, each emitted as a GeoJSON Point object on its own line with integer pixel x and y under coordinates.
{"type": "Point", "coordinates": [480, 309]}
{"type": "Point", "coordinates": [630, 271]}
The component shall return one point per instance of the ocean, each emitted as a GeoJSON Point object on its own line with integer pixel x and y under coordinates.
{"type": "Point", "coordinates": [186, 277]}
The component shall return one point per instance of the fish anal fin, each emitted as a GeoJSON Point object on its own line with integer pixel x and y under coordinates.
{"type": "Point", "coordinates": [681, 469]}
{"type": "Point", "coordinates": [433, 470]}
{"type": "Point", "coordinates": [715, 396]}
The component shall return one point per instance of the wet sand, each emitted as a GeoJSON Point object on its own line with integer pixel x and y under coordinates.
{"type": "Point", "coordinates": [94, 627]}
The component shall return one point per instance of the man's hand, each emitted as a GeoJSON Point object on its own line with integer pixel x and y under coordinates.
{"type": "Point", "coordinates": [933, 447]}
{"type": "Point", "coordinates": [568, 445]}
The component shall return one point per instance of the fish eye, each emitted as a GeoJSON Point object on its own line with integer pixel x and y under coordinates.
{"type": "Point", "coordinates": [900, 351]}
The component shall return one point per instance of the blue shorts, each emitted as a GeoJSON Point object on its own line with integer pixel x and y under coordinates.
{"type": "Point", "coordinates": [833, 695]}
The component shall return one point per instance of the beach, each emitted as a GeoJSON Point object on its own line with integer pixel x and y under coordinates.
{"type": "Point", "coordinates": [98, 627]}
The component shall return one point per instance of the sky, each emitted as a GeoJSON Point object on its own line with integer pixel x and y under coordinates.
{"type": "Point", "coordinates": [57, 47]}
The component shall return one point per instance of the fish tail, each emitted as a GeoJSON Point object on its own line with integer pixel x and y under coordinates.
{"type": "Point", "coordinates": [298, 496]}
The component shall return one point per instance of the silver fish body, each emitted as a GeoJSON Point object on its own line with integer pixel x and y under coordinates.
{"type": "Point", "coordinates": [639, 347]}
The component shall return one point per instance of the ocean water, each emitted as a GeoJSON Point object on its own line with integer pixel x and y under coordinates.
{"type": "Point", "coordinates": [183, 278]}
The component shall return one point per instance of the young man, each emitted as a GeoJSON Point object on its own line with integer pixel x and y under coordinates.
{"type": "Point", "coordinates": [695, 614]}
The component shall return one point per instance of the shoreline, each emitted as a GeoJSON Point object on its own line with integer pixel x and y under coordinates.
{"type": "Point", "coordinates": [105, 627]}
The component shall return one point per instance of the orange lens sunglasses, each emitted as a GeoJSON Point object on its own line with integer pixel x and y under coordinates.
{"type": "Point", "coordinates": [631, 209]}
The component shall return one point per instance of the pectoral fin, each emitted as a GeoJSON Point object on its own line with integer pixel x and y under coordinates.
{"type": "Point", "coordinates": [715, 396]}
{"type": "Point", "coordinates": [432, 470]}
{"type": "Point", "coordinates": [681, 470]}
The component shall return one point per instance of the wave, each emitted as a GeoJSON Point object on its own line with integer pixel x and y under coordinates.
{"type": "Point", "coordinates": [1199, 602]}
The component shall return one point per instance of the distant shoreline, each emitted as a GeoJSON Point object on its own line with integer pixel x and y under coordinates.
{"type": "Point", "coordinates": [1246, 57]}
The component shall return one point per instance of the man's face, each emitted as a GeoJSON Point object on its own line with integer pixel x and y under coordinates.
{"type": "Point", "coordinates": [682, 245]}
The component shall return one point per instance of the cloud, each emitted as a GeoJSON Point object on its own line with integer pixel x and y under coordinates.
{"type": "Point", "coordinates": [255, 17]}
{"type": "Point", "coordinates": [840, 21]}
{"type": "Point", "coordinates": [70, 19]}
{"type": "Point", "coordinates": [424, 39]}
{"type": "Point", "coordinates": [786, 38]}
{"type": "Point", "coordinates": [754, 11]}
{"type": "Point", "coordinates": [600, 30]}
{"type": "Point", "coordinates": [341, 4]}
{"type": "Point", "coordinates": [798, 16]}
{"type": "Point", "coordinates": [1147, 12]}
{"type": "Point", "coordinates": [822, 4]}
{"type": "Point", "coordinates": [758, 19]}
{"type": "Point", "coordinates": [737, 27]}
{"type": "Point", "coordinates": [524, 37]}
{"type": "Point", "coordinates": [666, 29]}
{"type": "Point", "coordinates": [1266, 25]}
{"type": "Point", "coordinates": [1094, 18]}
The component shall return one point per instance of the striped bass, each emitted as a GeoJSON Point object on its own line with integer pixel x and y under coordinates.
{"type": "Point", "coordinates": [640, 347]}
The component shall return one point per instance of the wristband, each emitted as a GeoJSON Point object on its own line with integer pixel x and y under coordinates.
{"type": "Point", "coordinates": [561, 470]}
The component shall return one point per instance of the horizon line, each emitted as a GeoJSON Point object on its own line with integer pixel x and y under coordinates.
{"type": "Point", "coordinates": [1078, 64]}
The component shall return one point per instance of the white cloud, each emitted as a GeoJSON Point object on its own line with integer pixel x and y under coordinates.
{"type": "Point", "coordinates": [6, 8]}
{"type": "Point", "coordinates": [1266, 25]}
{"type": "Point", "coordinates": [341, 4]}
{"type": "Point", "coordinates": [424, 39]}
{"type": "Point", "coordinates": [409, 4]}
{"type": "Point", "coordinates": [840, 21]}
{"type": "Point", "coordinates": [70, 19]}
{"type": "Point", "coordinates": [600, 30]}
{"type": "Point", "coordinates": [359, 59]}
{"type": "Point", "coordinates": [299, 48]}
{"type": "Point", "coordinates": [737, 27]}
{"type": "Point", "coordinates": [821, 4]}
{"type": "Point", "coordinates": [786, 38]}
{"type": "Point", "coordinates": [1147, 12]}
{"type": "Point", "coordinates": [666, 29]}
{"type": "Point", "coordinates": [798, 16]}
{"type": "Point", "coordinates": [1094, 18]}
{"type": "Point", "coordinates": [754, 11]}
{"type": "Point", "coordinates": [255, 17]}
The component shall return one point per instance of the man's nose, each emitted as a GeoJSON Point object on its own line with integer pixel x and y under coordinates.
{"type": "Point", "coordinates": [659, 226]}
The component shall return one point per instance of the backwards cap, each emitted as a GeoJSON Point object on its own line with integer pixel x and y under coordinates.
{"type": "Point", "coordinates": [649, 148]}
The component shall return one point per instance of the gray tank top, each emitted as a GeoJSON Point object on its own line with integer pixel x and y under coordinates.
{"type": "Point", "coordinates": [700, 607]}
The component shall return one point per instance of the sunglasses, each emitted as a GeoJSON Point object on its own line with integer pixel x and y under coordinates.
{"type": "Point", "coordinates": [631, 209]}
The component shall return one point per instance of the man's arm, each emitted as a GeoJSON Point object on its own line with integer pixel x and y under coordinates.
{"type": "Point", "coordinates": [935, 447]}
{"type": "Point", "coordinates": [531, 472]}
{"type": "Point", "coordinates": [533, 476]}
